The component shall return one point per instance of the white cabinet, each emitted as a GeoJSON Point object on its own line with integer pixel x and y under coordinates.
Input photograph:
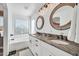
{"type": "Point", "coordinates": [55, 51]}
{"type": "Point", "coordinates": [34, 46]}
{"type": "Point", "coordinates": [45, 52]}
{"type": "Point", "coordinates": [31, 45]}
{"type": "Point", "coordinates": [40, 48]}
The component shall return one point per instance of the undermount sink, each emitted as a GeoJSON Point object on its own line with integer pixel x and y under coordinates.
{"type": "Point", "coordinates": [60, 42]}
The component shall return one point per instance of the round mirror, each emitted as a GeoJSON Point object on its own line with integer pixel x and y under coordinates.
{"type": "Point", "coordinates": [40, 22]}
{"type": "Point", "coordinates": [62, 15]}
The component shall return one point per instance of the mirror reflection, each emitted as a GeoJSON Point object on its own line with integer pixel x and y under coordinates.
{"type": "Point", "coordinates": [61, 16]}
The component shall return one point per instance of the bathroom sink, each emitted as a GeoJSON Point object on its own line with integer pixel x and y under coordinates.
{"type": "Point", "coordinates": [60, 42]}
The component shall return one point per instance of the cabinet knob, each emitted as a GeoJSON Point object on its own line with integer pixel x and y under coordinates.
{"type": "Point", "coordinates": [12, 39]}
{"type": "Point", "coordinates": [36, 54]}
{"type": "Point", "coordinates": [30, 41]}
{"type": "Point", "coordinates": [36, 40]}
{"type": "Point", "coordinates": [11, 34]}
{"type": "Point", "coordinates": [50, 55]}
{"type": "Point", "coordinates": [36, 45]}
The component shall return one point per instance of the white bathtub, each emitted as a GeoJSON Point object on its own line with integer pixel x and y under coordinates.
{"type": "Point", "coordinates": [18, 43]}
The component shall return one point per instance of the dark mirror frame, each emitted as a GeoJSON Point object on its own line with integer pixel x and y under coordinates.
{"type": "Point", "coordinates": [65, 27]}
{"type": "Point", "coordinates": [41, 17]}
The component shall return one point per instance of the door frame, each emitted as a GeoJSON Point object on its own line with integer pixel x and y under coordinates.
{"type": "Point", "coordinates": [5, 27]}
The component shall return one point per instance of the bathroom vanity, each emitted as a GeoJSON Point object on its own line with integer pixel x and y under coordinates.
{"type": "Point", "coordinates": [55, 24]}
{"type": "Point", "coordinates": [51, 46]}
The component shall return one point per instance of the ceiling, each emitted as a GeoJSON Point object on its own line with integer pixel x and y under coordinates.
{"type": "Point", "coordinates": [25, 9]}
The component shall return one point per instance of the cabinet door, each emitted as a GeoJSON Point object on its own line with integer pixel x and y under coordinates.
{"type": "Point", "coordinates": [41, 51]}
{"type": "Point", "coordinates": [31, 45]}
{"type": "Point", "coordinates": [37, 49]}
{"type": "Point", "coordinates": [45, 52]}
{"type": "Point", "coordinates": [55, 51]}
{"type": "Point", "coordinates": [34, 46]}
{"type": "Point", "coordinates": [32, 40]}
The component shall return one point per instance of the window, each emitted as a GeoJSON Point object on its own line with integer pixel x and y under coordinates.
{"type": "Point", "coordinates": [21, 26]}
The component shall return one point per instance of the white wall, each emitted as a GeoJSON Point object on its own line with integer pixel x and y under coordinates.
{"type": "Point", "coordinates": [32, 24]}
{"type": "Point", "coordinates": [11, 17]}
{"type": "Point", "coordinates": [77, 25]}
{"type": "Point", "coordinates": [72, 31]}
{"type": "Point", "coordinates": [47, 28]}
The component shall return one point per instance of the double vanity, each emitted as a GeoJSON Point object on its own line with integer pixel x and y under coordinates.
{"type": "Point", "coordinates": [55, 30]}
{"type": "Point", "coordinates": [55, 27]}
{"type": "Point", "coordinates": [56, 46]}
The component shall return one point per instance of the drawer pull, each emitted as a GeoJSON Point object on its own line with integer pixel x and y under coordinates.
{"type": "Point", "coordinates": [12, 39]}
{"type": "Point", "coordinates": [50, 55]}
{"type": "Point", "coordinates": [36, 54]}
{"type": "Point", "coordinates": [36, 45]}
{"type": "Point", "coordinates": [30, 41]}
{"type": "Point", "coordinates": [36, 40]}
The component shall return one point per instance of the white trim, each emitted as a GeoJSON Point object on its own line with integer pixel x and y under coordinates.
{"type": "Point", "coordinates": [5, 27]}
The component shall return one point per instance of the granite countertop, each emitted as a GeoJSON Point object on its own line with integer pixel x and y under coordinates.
{"type": "Point", "coordinates": [67, 46]}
